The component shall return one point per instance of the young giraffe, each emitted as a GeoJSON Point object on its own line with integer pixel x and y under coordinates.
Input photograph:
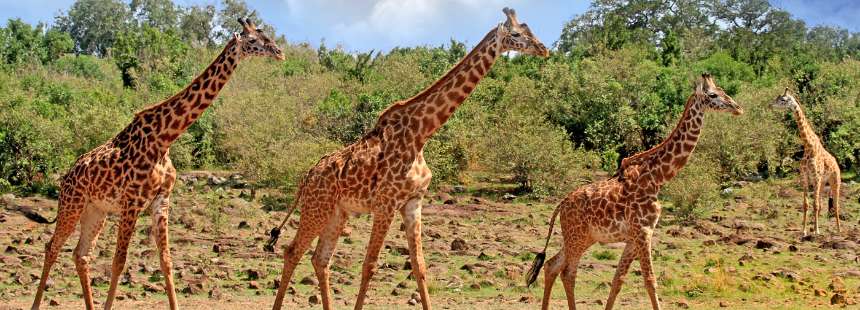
{"type": "Point", "coordinates": [625, 208]}
{"type": "Point", "coordinates": [132, 171]}
{"type": "Point", "coordinates": [817, 168]}
{"type": "Point", "coordinates": [384, 171]}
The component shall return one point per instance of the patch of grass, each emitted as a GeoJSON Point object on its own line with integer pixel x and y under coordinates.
{"type": "Point", "coordinates": [604, 255]}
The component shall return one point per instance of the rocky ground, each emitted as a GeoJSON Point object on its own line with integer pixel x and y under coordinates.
{"type": "Point", "coordinates": [745, 253]}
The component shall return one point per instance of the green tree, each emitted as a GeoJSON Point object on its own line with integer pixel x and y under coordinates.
{"type": "Point", "coordinates": [196, 25]}
{"type": "Point", "coordinates": [94, 24]}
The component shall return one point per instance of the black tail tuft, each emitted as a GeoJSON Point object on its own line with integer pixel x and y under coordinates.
{"type": "Point", "coordinates": [532, 276]}
{"type": "Point", "coordinates": [36, 217]}
{"type": "Point", "coordinates": [831, 211]}
{"type": "Point", "coordinates": [274, 234]}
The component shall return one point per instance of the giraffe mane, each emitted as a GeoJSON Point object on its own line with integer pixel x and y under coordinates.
{"type": "Point", "coordinates": [627, 160]}
{"type": "Point", "coordinates": [438, 83]}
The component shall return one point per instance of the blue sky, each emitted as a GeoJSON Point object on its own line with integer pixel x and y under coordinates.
{"type": "Point", "coordinates": [360, 25]}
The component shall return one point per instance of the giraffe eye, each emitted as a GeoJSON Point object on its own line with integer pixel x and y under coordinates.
{"type": "Point", "coordinates": [712, 95]}
{"type": "Point", "coordinates": [515, 34]}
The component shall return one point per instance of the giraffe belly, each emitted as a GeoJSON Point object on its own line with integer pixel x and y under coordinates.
{"type": "Point", "coordinates": [354, 206]}
{"type": "Point", "coordinates": [108, 205]}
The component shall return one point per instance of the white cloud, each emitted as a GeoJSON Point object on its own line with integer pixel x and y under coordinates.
{"type": "Point", "coordinates": [400, 22]}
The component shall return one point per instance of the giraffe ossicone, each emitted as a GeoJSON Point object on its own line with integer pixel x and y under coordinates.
{"type": "Point", "coordinates": [132, 171]}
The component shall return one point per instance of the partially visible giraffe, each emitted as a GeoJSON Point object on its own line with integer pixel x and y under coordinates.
{"type": "Point", "coordinates": [132, 171]}
{"type": "Point", "coordinates": [625, 208]}
{"type": "Point", "coordinates": [817, 168]}
{"type": "Point", "coordinates": [384, 172]}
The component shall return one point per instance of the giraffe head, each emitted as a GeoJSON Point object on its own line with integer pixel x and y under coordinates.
{"type": "Point", "coordinates": [254, 42]}
{"type": "Point", "coordinates": [715, 98]}
{"type": "Point", "coordinates": [515, 36]}
{"type": "Point", "coordinates": [785, 101]}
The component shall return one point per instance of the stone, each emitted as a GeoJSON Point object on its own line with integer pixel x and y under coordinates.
{"type": "Point", "coordinates": [254, 285]}
{"type": "Point", "coordinates": [838, 299]}
{"type": "Point", "coordinates": [309, 281]}
{"type": "Point", "coordinates": [53, 303]}
{"type": "Point", "coordinates": [314, 300]}
{"type": "Point", "coordinates": [254, 274]}
{"type": "Point", "coordinates": [244, 225]}
{"type": "Point", "coordinates": [458, 245]}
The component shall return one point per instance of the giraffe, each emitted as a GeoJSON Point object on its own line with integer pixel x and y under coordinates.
{"type": "Point", "coordinates": [384, 172]}
{"type": "Point", "coordinates": [624, 208]}
{"type": "Point", "coordinates": [132, 171]}
{"type": "Point", "coordinates": [817, 168]}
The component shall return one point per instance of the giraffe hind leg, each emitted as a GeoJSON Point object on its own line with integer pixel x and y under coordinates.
{"type": "Point", "coordinates": [310, 226]}
{"type": "Point", "coordinates": [67, 218]}
{"type": "Point", "coordinates": [321, 260]}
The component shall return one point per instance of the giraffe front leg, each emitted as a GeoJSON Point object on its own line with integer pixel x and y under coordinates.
{"type": "Point", "coordinates": [835, 187]}
{"type": "Point", "coordinates": [411, 213]}
{"type": "Point", "coordinates": [819, 185]}
{"type": "Point", "coordinates": [126, 231]}
{"type": "Point", "coordinates": [804, 180]}
{"type": "Point", "coordinates": [645, 265]}
{"type": "Point", "coordinates": [381, 223]}
{"type": "Point", "coordinates": [92, 222]}
{"type": "Point", "coordinates": [325, 249]}
{"type": "Point", "coordinates": [160, 215]}
{"type": "Point", "coordinates": [623, 266]}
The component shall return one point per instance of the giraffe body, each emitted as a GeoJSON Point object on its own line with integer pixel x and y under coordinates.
{"type": "Point", "coordinates": [384, 172]}
{"type": "Point", "coordinates": [625, 208]}
{"type": "Point", "coordinates": [132, 171]}
{"type": "Point", "coordinates": [818, 168]}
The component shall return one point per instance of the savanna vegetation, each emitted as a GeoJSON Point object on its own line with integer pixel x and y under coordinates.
{"type": "Point", "coordinates": [615, 84]}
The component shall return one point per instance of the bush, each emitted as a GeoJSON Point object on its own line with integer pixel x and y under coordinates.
{"type": "Point", "coordinates": [695, 190]}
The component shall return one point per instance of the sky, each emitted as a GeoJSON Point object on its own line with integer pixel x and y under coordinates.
{"type": "Point", "coordinates": [362, 25]}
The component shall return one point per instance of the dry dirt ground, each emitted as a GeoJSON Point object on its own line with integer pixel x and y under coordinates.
{"type": "Point", "coordinates": [745, 252]}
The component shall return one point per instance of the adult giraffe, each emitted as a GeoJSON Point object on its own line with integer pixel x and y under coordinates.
{"type": "Point", "coordinates": [384, 171]}
{"type": "Point", "coordinates": [132, 171]}
{"type": "Point", "coordinates": [817, 168]}
{"type": "Point", "coordinates": [625, 208]}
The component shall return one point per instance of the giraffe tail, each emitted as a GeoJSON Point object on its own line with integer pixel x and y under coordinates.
{"type": "Point", "coordinates": [533, 273]}
{"type": "Point", "coordinates": [275, 233]}
{"type": "Point", "coordinates": [830, 210]}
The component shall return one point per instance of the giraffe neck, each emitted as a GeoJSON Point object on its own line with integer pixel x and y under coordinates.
{"type": "Point", "coordinates": [667, 158]}
{"type": "Point", "coordinates": [422, 115]}
{"type": "Point", "coordinates": [155, 128]}
{"type": "Point", "coordinates": [807, 134]}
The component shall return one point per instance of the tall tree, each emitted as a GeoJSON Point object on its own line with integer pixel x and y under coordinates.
{"type": "Point", "coordinates": [159, 14]}
{"type": "Point", "coordinates": [196, 25]}
{"type": "Point", "coordinates": [94, 24]}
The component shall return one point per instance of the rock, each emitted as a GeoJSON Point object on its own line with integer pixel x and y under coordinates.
{"type": "Point", "coordinates": [786, 274]}
{"type": "Point", "coordinates": [820, 293]}
{"type": "Point", "coordinates": [838, 299]}
{"type": "Point", "coordinates": [792, 248]}
{"type": "Point", "coordinates": [484, 257]}
{"type": "Point", "coordinates": [412, 302]}
{"type": "Point", "coordinates": [683, 304]}
{"type": "Point", "coordinates": [309, 281]}
{"type": "Point", "coordinates": [839, 245]}
{"type": "Point", "coordinates": [217, 248]}
{"type": "Point", "coordinates": [415, 296]}
{"type": "Point", "coordinates": [244, 225]}
{"type": "Point", "coordinates": [458, 189]}
{"type": "Point", "coordinates": [402, 284]}
{"type": "Point", "coordinates": [53, 303]}
{"type": "Point", "coordinates": [475, 286]}
{"type": "Point", "coordinates": [526, 299]}
{"type": "Point", "coordinates": [152, 288]}
{"type": "Point", "coordinates": [254, 274]}
{"type": "Point", "coordinates": [314, 300]}
{"type": "Point", "coordinates": [458, 245]}
{"type": "Point", "coordinates": [187, 221]}
{"type": "Point", "coordinates": [254, 285]}
{"type": "Point", "coordinates": [837, 285]}
{"type": "Point", "coordinates": [396, 292]}
{"type": "Point", "coordinates": [407, 265]}
{"type": "Point", "coordinates": [745, 259]}
{"type": "Point", "coordinates": [216, 294]}
{"type": "Point", "coordinates": [724, 304]}
{"type": "Point", "coordinates": [509, 196]}
{"type": "Point", "coordinates": [216, 180]}
{"type": "Point", "coordinates": [764, 244]}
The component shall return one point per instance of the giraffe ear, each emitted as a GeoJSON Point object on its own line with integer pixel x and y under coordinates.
{"type": "Point", "coordinates": [785, 93]}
